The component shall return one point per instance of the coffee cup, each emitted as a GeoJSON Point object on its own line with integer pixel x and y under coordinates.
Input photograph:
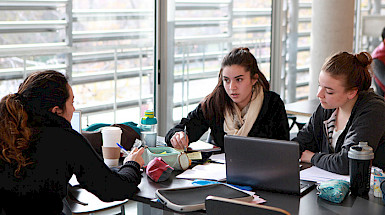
{"type": "Point", "coordinates": [360, 156]}
{"type": "Point", "coordinates": [110, 150]}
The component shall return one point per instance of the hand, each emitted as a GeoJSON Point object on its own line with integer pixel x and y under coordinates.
{"type": "Point", "coordinates": [136, 155]}
{"type": "Point", "coordinates": [306, 156]}
{"type": "Point", "coordinates": [179, 140]}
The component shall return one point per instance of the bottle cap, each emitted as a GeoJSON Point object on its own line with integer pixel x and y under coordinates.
{"type": "Point", "coordinates": [149, 118]}
{"type": "Point", "coordinates": [361, 152]}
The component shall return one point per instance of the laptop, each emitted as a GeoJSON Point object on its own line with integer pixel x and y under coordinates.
{"type": "Point", "coordinates": [76, 121]}
{"type": "Point", "coordinates": [265, 164]}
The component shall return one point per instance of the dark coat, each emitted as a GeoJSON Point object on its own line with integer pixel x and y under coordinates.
{"type": "Point", "coordinates": [271, 123]}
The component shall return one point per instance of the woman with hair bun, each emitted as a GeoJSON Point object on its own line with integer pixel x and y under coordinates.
{"type": "Point", "coordinates": [241, 104]}
{"type": "Point", "coordinates": [349, 112]}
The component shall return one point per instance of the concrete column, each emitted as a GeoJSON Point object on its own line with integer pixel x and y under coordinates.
{"type": "Point", "coordinates": [332, 31]}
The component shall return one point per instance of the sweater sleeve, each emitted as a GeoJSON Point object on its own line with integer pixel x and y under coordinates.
{"type": "Point", "coordinates": [98, 178]}
{"type": "Point", "coordinates": [196, 126]}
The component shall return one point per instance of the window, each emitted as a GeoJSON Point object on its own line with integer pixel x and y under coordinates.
{"type": "Point", "coordinates": [106, 48]}
{"type": "Point", "coordinates": [205, 31]}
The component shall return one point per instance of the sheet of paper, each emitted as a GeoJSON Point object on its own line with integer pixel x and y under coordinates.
{"type": "Point", "coordinates": [208, 171]}
{"type": "Point", "coordinates": [194, 155]}
{"type": "Point", "coordinates": [200, 145]}
{"type": "Point", "coordinates": [219, 158]}
{"type": "Point", "coordinates": [73, 180]}
{"type": "Point", "coordinates": [319, 175]}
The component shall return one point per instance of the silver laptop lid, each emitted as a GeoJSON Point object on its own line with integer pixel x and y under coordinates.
{"type": "Point", "coordinates": [262, 163]}
{"type": "Point", "coordinates": [76, 121]}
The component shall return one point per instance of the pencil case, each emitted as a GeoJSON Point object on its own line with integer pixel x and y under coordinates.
{"type": "Point", "coordinates": [177, 160]}
{"type": "Point", "coordinates": [333, 190]}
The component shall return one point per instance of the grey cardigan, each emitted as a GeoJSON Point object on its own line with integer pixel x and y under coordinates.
{"type": "Point", "coordinates": [366, 123]}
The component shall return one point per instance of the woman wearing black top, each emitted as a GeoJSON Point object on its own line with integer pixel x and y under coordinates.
{"type": "Point", "coordinates": [40, 151]}
{"type": "Point", "coordinates": [241, 104]}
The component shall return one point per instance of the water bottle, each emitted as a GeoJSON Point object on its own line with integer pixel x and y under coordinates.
{"type": "Point", "coordinates": [148, 129]}
{"type": "Point", "coordinates": [360, 156]}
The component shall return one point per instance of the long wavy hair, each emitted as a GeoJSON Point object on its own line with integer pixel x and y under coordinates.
{"type": "Point", "coordinates": [39, 93]}
{"type": "Point", "coordinates": [215, 104]}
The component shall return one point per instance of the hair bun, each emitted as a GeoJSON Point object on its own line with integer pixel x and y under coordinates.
{"type": "Point", "coordinates": [364, 58]}
{"type": "Point", "coordinates": [245, 49]}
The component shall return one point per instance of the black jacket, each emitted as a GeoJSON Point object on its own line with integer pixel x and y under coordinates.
{"type": "Point", "coordinates": [57, 152]}
{"type": "Point", "coordinates": [366, 123]}
{"type": "Point", "coordinates": [271, 123]}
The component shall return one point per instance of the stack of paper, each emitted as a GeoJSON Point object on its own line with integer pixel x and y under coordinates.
{"type": "Point", "coordinates": [219, 158]}
{"type": "Point", "coordinates": [203, 146]}
{"type": "Point", "coordinates": [208, 171]}
{"type": "Point", "coordinates": [319, 175]}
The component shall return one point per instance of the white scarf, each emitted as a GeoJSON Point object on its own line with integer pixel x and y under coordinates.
{"type": "Point", "coordinates": [241, 122]}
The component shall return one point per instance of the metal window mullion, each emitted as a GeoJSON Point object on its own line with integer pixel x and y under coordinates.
{"type": "Point", "coordinates": [183, 79]}
{"type": "Point", "coordinates": [115, 82]}
{"type": "Point", "coordinates": [187, 79]}
{"type": "Point", "coordinates": [140, 81]}
{"type": "Point", "coordinates": [69, 41]}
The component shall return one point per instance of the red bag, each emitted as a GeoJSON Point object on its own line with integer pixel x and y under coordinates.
{"type": "Point", "coordinates": [158, 170]}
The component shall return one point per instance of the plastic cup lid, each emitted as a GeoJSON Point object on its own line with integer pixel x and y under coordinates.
{"type": "Point", "coordinates": [111, 129]}
{"type": "Point", "coordinates": [361, 152]}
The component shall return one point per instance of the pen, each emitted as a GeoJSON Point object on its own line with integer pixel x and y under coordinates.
{"type": "Point", "coordinates": [124, 150]}
{"type": "Point", "coordinates": [185, 138]}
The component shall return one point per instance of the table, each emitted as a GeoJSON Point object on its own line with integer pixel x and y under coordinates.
{"type": "Point", "coordinates": [302, 108]}
{"type": "Point", "coordinates": [308, 204]}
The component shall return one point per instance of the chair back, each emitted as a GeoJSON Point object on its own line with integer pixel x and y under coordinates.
{"type": "Point", "coordinates": [222, 206]}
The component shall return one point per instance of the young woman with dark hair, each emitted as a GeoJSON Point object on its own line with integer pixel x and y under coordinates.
{"type": "Point", "coordinates": [241, 104]}
{"type": "Point", "coordinates": [40, 151]}
{"type": "Point", "coordinates": [349, 112]}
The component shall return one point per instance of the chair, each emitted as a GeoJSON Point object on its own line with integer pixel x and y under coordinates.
{"type": "Point", "coordinates": [222, 206]}
{"type": "Point", "coordinates": [294, 123]}
{"type": "Point", "coordinates": [371, 27]}
{"type": "Point", "coordinates": [379, 73]}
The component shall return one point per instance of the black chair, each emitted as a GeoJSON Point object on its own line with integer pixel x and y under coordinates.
{"type": "Point", "coordinates": [379, 72]}
{"type": "Point", "coordinates": [222, 206]}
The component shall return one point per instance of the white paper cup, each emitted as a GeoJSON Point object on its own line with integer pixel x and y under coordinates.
{"type": "Point", "coordinates": [111, 136]}
{"type": "Point", "coordinates": [111, 162]}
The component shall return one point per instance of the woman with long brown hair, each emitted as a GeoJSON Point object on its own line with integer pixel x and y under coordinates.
{"type": "Point", "coordinates": [349, 112]}
{"type": "Point", "coordinates": [241, 104]}
{"type": "Point", "coordinates": [39, 151]}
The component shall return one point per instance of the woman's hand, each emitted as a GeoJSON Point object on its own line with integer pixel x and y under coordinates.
{"type": "Point", "coordinates": [306, 156]}
{"type": "Point", "coordinates": [179, 140]}
{"type": "Point", "coordinates": [136, 155]}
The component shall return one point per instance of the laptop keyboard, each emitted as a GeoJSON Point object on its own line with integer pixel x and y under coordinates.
{"type": "Point", "coordinates": [303, 185]}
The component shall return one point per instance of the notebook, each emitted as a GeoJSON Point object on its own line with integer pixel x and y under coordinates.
{"type": "Point", "coordinates": [76, 121]}
{"type": "Point", "coordinates": [265, 164]}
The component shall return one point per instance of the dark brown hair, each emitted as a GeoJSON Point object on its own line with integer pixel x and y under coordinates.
{"type": "Point", "coordinates": [215, 104]}
{"type": "Point", "coordinates": [355, 68]}
{"type": "Point", "coordinates": [40, 92]}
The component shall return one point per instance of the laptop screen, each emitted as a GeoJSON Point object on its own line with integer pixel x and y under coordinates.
{"type": "Point", "coordinates": [76, 121]}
